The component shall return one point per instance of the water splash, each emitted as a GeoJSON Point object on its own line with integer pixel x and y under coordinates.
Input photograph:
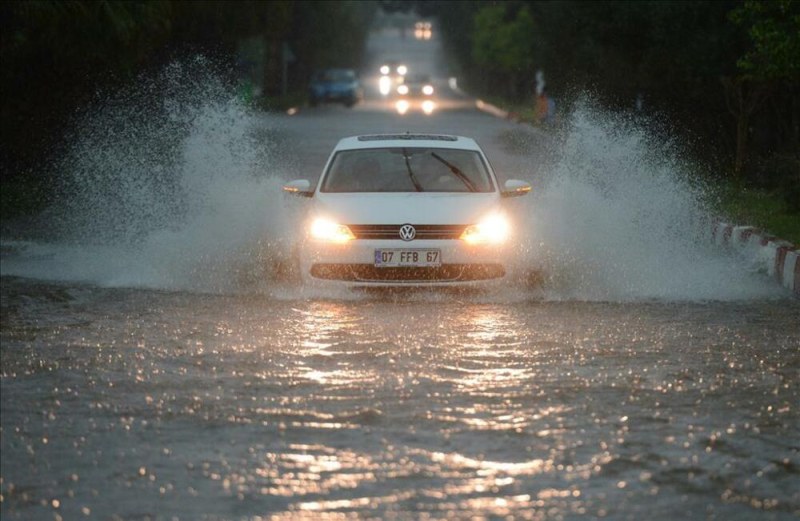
{"type": "Point", "coordinates": [175, 184]}
{"type": "Point", "coordinates": [172, 183]}
{"type": "Point", "coordinates": [619, 218]}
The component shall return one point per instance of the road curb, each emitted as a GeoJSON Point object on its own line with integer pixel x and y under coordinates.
{"type": "Point", "coordinates": [498, 112]}
{"type": "Point", "coordinates": [781, 257]}
{"type": "Point", "coordinates": [491, 109]}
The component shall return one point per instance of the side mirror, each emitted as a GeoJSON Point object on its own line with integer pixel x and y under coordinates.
{"type": "Point", "coordinates": [515, 187]}
{"type": "Point", "coordinates": [299, 187]}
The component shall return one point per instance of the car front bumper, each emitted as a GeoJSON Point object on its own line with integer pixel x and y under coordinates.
{"type": "Point", "coordinates": [353, 263]}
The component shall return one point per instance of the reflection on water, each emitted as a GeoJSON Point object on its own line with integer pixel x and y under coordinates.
{"type": "Point", "coordinates": [323, 323]}
{"type": "Point", "coordinates": [140, 404]}
{"type": "Point", "coordinates": [328, 332]}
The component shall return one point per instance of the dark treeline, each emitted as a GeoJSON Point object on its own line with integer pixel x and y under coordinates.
{"type": "Point", "coordinates": [725, 71]}
{"type": "Point", "coordinates": [57, 54]}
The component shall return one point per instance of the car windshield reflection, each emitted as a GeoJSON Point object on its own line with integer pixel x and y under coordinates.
{"type": "Point", "coordinates": [407, 169]}
{"type": "Point", "coordinates": [336, 75]}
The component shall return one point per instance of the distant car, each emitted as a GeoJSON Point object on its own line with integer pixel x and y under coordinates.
{"type": "Point", "coordinates": [406, 210]}
{"type": "Point", "coordinates": [392, 74]}
{"type": "Point", "coordinates": [335, 86]}
{"type": "Point", "coordinates": [394, 69]}
{"type": "Point", "coordinates": [416, 85]}
{"type": "Point", "coordinates": [423, 30]}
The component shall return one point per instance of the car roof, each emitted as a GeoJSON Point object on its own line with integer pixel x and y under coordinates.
{"type": "Point", "coordinates": [407, 140]}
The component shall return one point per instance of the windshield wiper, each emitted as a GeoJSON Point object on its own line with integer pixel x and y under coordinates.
{"type": "Point", "coordinates": [457, 172]}
{"type": "Point", "coordinates": [417, 186]}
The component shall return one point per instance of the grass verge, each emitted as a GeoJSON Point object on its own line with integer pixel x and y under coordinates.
{"type": "Point", "coordinates": [283, 103]}
{"type": "Point", "coordinates": [525, 112]}
{"type": "Point", "coordinates": [767, 210]}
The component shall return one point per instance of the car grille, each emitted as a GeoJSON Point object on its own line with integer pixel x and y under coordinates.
{"type": "Point", "coordinates": [444, 273]}
{"type": "Point", "coordinates": [392, 231]}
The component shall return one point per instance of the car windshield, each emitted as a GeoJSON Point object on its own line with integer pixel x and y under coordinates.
{"type": "Point", "coordinates": [419, 78]}
{"type": "Point", "coordinates": [337, 75]}
{"type": "Point", "coordinates": [407, 169]}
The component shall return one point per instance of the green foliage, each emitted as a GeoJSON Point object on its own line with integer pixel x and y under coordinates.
{"type": "Point", "coordinates": [503, 41]}
{"type": "Point", "coordinates": [53, 55]}
{"type": "Point", "coordinates": [672, 54]}
{"type": "Point", "coordinates": [774, 30]}
{"type": "Point", "coordinates": [456, 19]}
{"type": "Point", "coordinates": [56, 54]}
{"type": "Point", "coordinates": [330, 34]}
{"type": "Point", "coordinates": [82, 33]}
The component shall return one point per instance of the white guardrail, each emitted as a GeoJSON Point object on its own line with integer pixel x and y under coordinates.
{"type": "Point", "coordinates": [781, 258]}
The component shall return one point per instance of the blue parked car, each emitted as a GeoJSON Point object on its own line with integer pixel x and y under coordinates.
{"type": "Point", "coordinates": [335, 85]}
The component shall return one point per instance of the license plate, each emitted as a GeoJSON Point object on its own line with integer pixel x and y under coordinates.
{"type": "Point", "coordinates": [419, 258]}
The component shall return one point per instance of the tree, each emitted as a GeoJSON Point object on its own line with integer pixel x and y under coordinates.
{"type": "Point", "coordinates": [770, 65]}
{"type": "Point", "coordinates": [54, 52]}
{"type": "Point", "coordinates": [503, 43]}
{"type": "Point", "coordinates": [57, 55]}
{"type": "Point", "coordinates": [774, 30]}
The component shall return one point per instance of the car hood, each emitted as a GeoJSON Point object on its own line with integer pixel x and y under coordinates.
{"type": "Point", "coordinates": [401, 208]}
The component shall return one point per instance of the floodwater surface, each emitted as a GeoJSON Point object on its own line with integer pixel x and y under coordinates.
{"type": "Point", "coordinates": [152, 405]}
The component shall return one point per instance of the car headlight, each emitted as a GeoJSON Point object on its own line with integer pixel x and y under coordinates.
{"type": "Point", "coordinates": [494, 229]}
{"type": "Point", "coordinates": [427, 90]}
{"type": "Point", "coordinates": [402, 70]}
{"type": "Point", "coordinates": [327, 230]}
{"type": "Point", "coordinates": [402, 90]}
{"type": "Point", "coordinates": [385, 85]}
{"type": "Point", "coordinates": [402, 106]}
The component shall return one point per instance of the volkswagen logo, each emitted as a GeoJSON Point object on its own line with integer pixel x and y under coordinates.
{"type": "Point", "coordinates": [407, 232]}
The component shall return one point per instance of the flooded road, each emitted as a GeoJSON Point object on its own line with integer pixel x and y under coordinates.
{"type": "Point", "coordinates": [151, 367]}
{"type": "Point", "coordinates": [137, 404]}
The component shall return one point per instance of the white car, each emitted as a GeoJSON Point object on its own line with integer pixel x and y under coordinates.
{"type": "Point", "coordinates": [406, 210]}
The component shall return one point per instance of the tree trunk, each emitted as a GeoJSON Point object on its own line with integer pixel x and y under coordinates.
{"type": "Point", "coordinates": [742, 127]}
{"type": "Point", "coordinates": [742, 98]}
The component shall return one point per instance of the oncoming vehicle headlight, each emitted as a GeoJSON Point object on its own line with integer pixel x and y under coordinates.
{"type": "Point", "coordinates": [402, 106]}
{"type": "Point", "coordinates": [327, 230]}
{"type": "Point", "coordinates": [385, 85]}
{"type": "Point", "coordinates": [427, 90]}
{"type": "Point", "coordinates": [494, 229]}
